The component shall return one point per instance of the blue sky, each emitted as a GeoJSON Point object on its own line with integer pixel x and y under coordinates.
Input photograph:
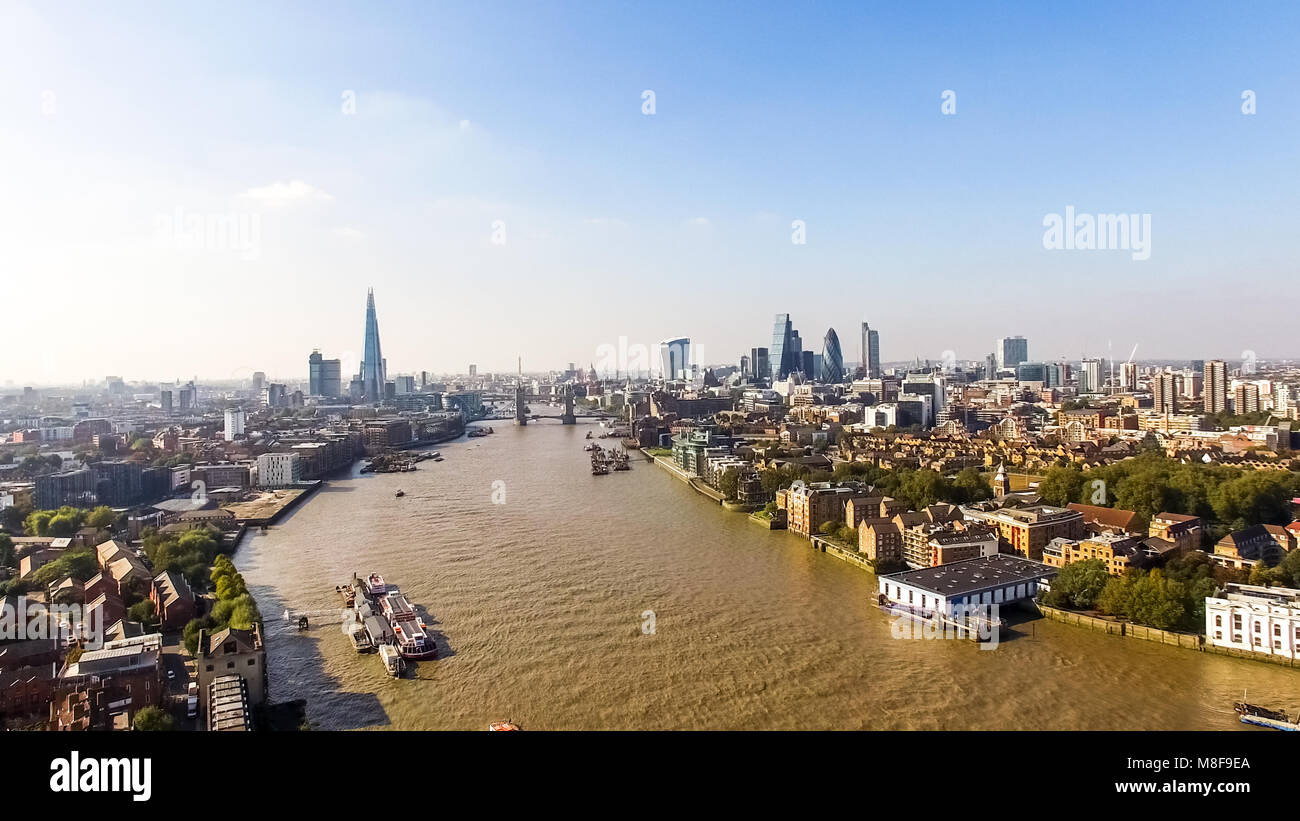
{"type": "Point", "coordinates": [113, 120]}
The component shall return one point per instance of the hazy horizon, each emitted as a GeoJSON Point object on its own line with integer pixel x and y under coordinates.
{"type": "Point", "coordinates": [491, 170]}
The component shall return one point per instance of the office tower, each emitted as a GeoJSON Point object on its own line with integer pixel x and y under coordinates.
{"type": "Point", "coordinates": [991, 366]}
{"type": "Point", "coordinates": [807, 364]}
{"type": "Point", "coordinates": [870, 352]}
{"type": "Point", "coordinates": [235, 420]}
{"type": "Point", "coordinates": [187, 398]}
{"type": "Point", "coordinates": [473, 370]}
{"type": "Point", "coordinates": [1011, 351]}
{"type": "Point", "coordinates": [166, 397]}
{"type": "Point", "coordinates": [1245, 398]}
{"type": "Point", "coordinates": [1215, 389]}
{"type": "Point", "coordinates": [1165, 389]}
{"type": "Point", "coordinates": [784, 356]}
{"type": "Point", "coordinates": [325, 376]}
{"type": "Point", "coordinates": [1053, 375]}
{"type": "Point", "coordinates": [374, 375]}
{"type": "Point", "coordinates": [314, 363]}
{"type": "Point", "coordinates": [1031, 372]}
{"type": "Point", "coordinates": [403, 385]}
{"type": "Point", "coordinates": [744, 366]}
{"type": "Point", "coordinates": [832, 358]}
{"type": "Point", "coordinates": [674, 354]}
{"type": "Point", "coordinates": [758, 361]}
{"type": "Point", "coordinates": [1090, 376]}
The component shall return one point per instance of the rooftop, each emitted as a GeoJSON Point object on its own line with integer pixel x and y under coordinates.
{"type": "Point", "coordinates": [973, 575]}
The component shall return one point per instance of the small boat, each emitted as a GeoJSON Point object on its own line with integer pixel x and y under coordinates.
{"type": "Point", "coordinates": [437, 458]}
{"type": "Point", "coordinates": [1264, 717]}
{"type": "Point", "coordinates": [399, 494]}
{"type": "Point", "coordinates": [588, 434]}
{"type": "Point", "coordinates": [392, 659]}
{"type": "Point", "coordinates": [500, 726]}
{"type": "Point", "coordinates": [376, 585]}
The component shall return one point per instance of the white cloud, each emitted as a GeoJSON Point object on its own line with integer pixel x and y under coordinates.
{"type": "Point", "coordinates": [284, 193]}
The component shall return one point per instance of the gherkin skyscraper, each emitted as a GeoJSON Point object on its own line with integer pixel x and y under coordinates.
{"type": "Point", "coordinates": [373, 376]}
{"type": "Point", "coordinates": [832, 359]}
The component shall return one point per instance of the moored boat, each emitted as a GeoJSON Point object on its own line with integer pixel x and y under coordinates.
{"type": "Point", "coordinates": [1264, 717]}
{"type": "Point", "coordinates": [392, 660]}
{"type": "Point", "coordinates": [376, 585]}
{"type": "Point", "coordinates": [499, 726]}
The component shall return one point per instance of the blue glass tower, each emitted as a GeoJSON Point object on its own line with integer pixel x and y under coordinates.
{"type": "Point", "coordinates": [832, 359]}
{"type": "Point", "coordinates": [784, 354]}
{"type": "Point", "coordinates": [373, 377]}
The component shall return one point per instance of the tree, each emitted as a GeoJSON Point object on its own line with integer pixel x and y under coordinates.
{"type": "Point", "coordinates": [191, 635]}
{"type": "Point", "coordinates": [1060, 486]}
{"type": "Point", "coordinates": [152, 719]}
{"type": "Point", "coordinates": [101, 517]}
{"type": "Point", "coordinates": [143, 611]}
{"type": "Point", "coordinates": [8, 556]}
{"type": "Point", "coordinates": [1079, 584]}
{"type": "Point", "coordinates": [729, 484]}
{"type": "Point", "coordinates": [969, 486]}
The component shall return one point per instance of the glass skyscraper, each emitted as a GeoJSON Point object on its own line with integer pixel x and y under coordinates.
{"type": "Point", "coordinates": [784, 354]}
{"type": "Point", "coordinates": [373, 377]}
{"type": "Point", "coordinates": [832, 358]}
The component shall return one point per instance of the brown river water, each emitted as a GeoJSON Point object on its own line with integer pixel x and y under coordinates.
{"type": "Point", "coordinates": [538, 606]}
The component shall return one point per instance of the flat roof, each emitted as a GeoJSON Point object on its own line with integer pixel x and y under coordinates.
{"type": "Point", "coordinates": [974, 575]}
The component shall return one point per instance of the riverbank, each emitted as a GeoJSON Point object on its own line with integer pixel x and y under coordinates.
{"type": "Point", "coordinates": [1189, 641]}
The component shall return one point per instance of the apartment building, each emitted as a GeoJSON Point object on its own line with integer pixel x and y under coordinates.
{"type": "Point", "coordinates": [278, 469]}
{"type": "Point", "coordinates": [1026, 531]}
{"type": "Point", "coordinates": [1184, 531]}
{"type": "Point", "coordinates": [809, 506]}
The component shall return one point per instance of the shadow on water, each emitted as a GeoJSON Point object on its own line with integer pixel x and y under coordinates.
{"type": "Point", "coordinates": [294, 655]}
{"type": "Point", "coordinates": [445, 650]}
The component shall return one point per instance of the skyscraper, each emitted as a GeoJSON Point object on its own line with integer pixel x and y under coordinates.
{"type": "Point", "coordinates": [1090, 376]}
{"type": "Point", "coordinates": [1011, 351]}
{"type": "Point", "coordinates": [1166, 386]}
{"type": "Point", "coordinates": [758, 363]}
{"type": "Point", "coordinates": [870, 352]}
{"type": "Point", "coordinates": [674, 354]}
{"type": "Point", "coordinates": [373, 375]}
{"type": "Point", "coordinates": [784, 354]}
{"type": "Point", "coordinates": [832, 358]}
{"type": "Point", "coordinates": [1216, 386]}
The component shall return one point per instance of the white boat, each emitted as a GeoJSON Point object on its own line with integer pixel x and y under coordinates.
{"type": "Point", "coordinates": [392, 659]}
{"type": "Point", "coordinates": [375, 585]}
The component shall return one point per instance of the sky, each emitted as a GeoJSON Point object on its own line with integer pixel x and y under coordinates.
{"type": "Point", "coordinates": [192, 190]}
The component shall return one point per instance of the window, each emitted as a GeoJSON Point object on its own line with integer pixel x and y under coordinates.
{"type": "Point", "coordinates": [1218, 621]}
{"type": "Point", "coordinates": [209, 668]}
{"type": "Point", "coordinates": [230, 665]}
{"type": "Point", "coordinates": [252, 662]}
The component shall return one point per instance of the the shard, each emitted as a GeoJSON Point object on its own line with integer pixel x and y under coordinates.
{"type": "Point", "coordinates": [373, 377]}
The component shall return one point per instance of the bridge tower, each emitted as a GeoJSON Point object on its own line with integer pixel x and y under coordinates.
{"type": "Point", "coordinates": [567, 418]}
{"type": "Point", "coordinates": [521, 418]}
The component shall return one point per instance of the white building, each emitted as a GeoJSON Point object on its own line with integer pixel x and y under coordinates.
{"type": "Point", "coordinates": [1262, 620]}
{"type": "Point", "coordinates": [278, 469]}
{"type": "Point", "coordinates": [235, 419]}
{"type": "Point", "coordinates": [998, 579]}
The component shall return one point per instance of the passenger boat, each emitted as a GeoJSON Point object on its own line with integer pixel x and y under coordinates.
{"type": "Point", "coordinates": [392, 660]}
{"type": "Point", "coordinates": [412, 640]}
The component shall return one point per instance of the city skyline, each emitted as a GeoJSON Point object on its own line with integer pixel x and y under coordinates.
{"type": "Point", "coordinates": [265, 178]}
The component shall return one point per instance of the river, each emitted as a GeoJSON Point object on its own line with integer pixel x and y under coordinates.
{"type": "Point", "coordinates": [629, 601]}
